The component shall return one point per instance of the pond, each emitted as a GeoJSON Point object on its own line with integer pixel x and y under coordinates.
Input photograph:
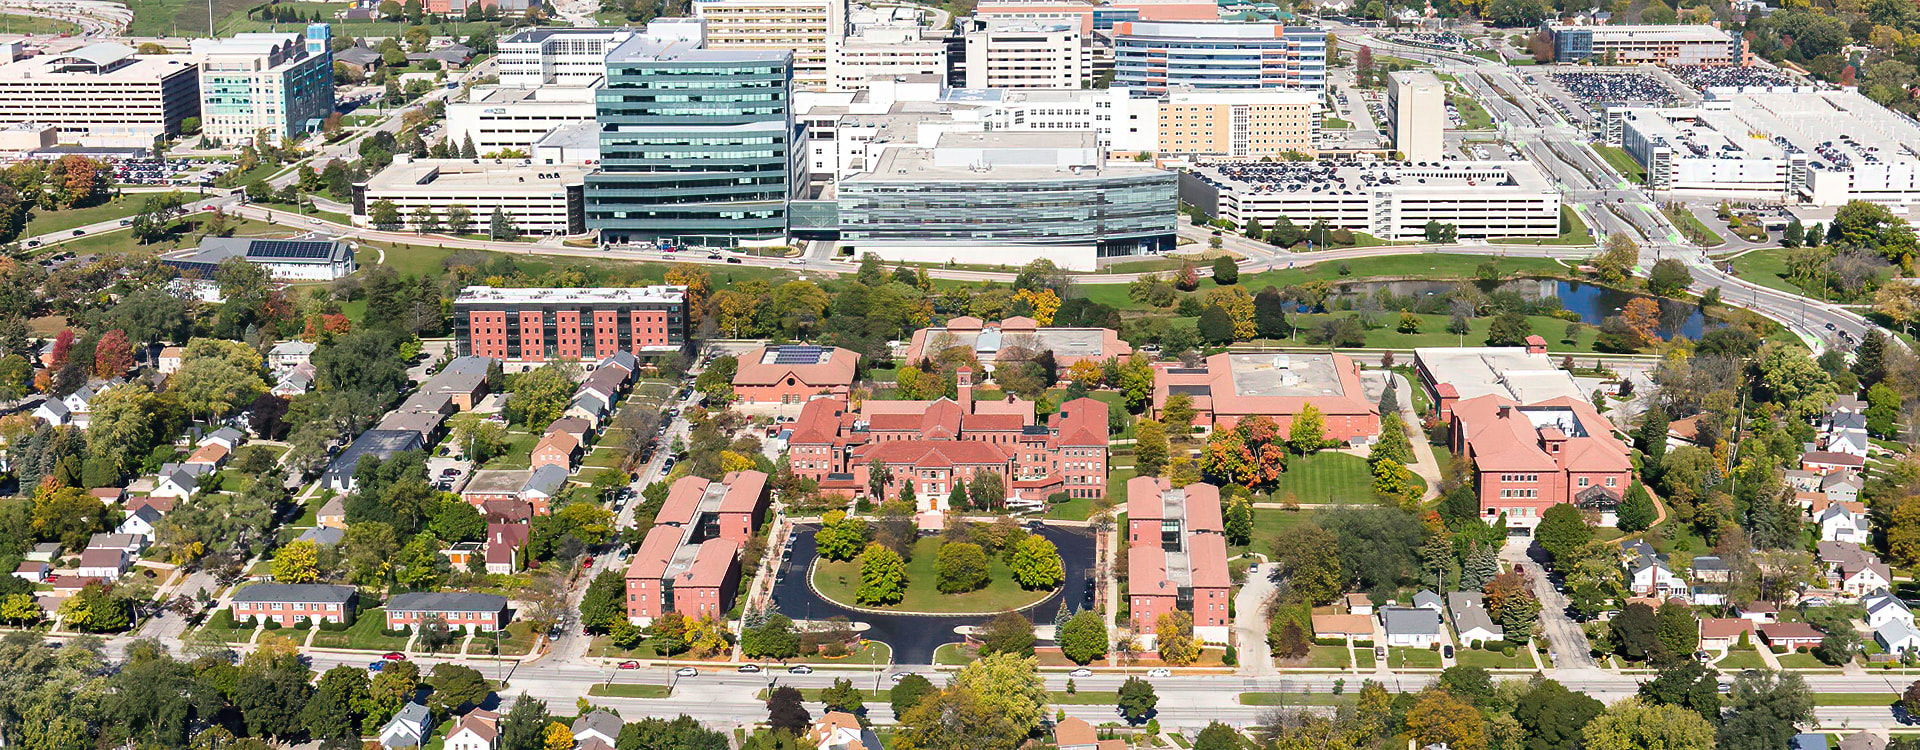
{"type": "Point", "coordinates": [1592, 303]}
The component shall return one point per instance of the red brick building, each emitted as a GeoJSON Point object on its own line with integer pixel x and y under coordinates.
{"type": "Point", "coordinates": [731, 508]}
{"type": "Point", "coordinates": [540, 325]}
{"type": "Point", "coordinates": [483, 612]}
{"type": "Point", "coordinates": [1533, 456]}
{"type": "Point", "coordinates": [1177, 556]}
{"type": "Point", "coordinates": [932, 443]}
{"type": "Point", "coordinates": [1229, 387]}
{"type": "Point", "coordinates": [689, 562]}
{"type": "Point", "coordinates": [792, 374]}
{"type": "Point", "coordinates": [289, 603]}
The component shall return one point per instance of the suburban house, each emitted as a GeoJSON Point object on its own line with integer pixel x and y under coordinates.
{"type": "Point", "coordinates": [129, 543]}
{"type": "Point", "coordinates": [1359, 604]}
{"type": "Point", "coordinates": [1076, 734]}
{"type": "Point", "coordinates": [225, 436]}
{"type": "Point", "coordinates": [407, 728]}
{"type": "Point", "coordinates": [210, 456]}
{"type": "Point", "coordinates": [597, 730]}
{"type": "Point", "coordinates": [380, 444]}
{"type": "Point", "coordinates": [177, 481]}
{"type": "Point", "coordinates": [33, 572]}
{"type": "Point", "coordinates": [102, 563]}
{"type": "Point", "coordinates": [323, 536]}
{"type": "Point", "coordinates": [478, 730]}
{"type": "Point", "coordinates": [1353, 627]}
{"type": "Point", "coordinates": [505, 544]}
{"type": "Point", "coordinates": [1722, 633]}
{"type": "Point", "coordinates": [1828, 462]}
{"type": "Point", "coordinates": [333, 514]}
{"type": "Point", "coordinates": [1883, 608]}
{"type": "Point", "coordinates": [289, 354]}
{"type": "Point", "coordinates": [1852, 570]}
{"type": "Point", "coordinates": [44, 552]}
{"type": "Point", "coordinates": [1897, 638]}
{"type": "Point", "coordinates": [1426, 599]}
{"type": "Point", "coordinates": [1844, 522]}
{"type": "Point", "coordinates": [1411, 627]}
{"type": "Point", "coordinates": [1470, 618]}
{"type": "Point", "coordinates": [537, 487]}
{"type": "Point", "coordinates": [463, 381]}
{"type": "Point", "coordinates": [1709, 577]}
{"type": "Point", "coordinates": [289, 603]}
{"type": "Point", "coordinates": [792, 374]}
{"type": "Point", "coordinates": [1019, 337]}
{"type": "Point", "coordinates": [1177, 556]}
{"type": "Point", "coordinates": [53, 412]}
{"type": "Point", "coordinates": [1802, 480]}
{"type": "Point", "coordinates": [1759, 612]}
{"type": "Point", "coordinates": [1648, 575]}
{"type": "Point", "coordinates": [294, 382]}
{"type": "Point", "coordinates": [484, 612]}
{"type": "Point", "coordinates": [1842, 486]}
{"type": "Point", "coordinates": [170, 359]}
{"type": "Point", "coordinates": [558, 449]}
{"type": "Point", "coordinates": [1793, 635]}
{"type": "Point", "coordinates": [142, 522]}
{"type": "Point", "coordinates": [837, 730]}
{"type": "Point", "coordinates": [575, 426]}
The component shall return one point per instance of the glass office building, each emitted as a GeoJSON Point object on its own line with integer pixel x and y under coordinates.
{"type": "Point", "coordinates": [697, 146]}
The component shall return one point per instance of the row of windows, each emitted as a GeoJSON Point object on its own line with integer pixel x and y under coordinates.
{"type": "Point", "coordinates": [1519, 493]}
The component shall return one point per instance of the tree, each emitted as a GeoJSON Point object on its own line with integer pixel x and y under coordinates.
{"type": "Point", "coordinates": [1309, 557]}
{"type": "Point", "coordinates": [395, 686]}
{"type": "Point", "coordinates": [785, 711]}
{"type": "Point", "coordinates": [1563, 529]}
{"type": "Point", "coordinates": [1036, 563]}
{"type": "Point", "coordinates": [539, 396]}
{"type": "Point", "coordinates": [1838, 647]}
{"type": "Point", "coordinates": [1509, 328]}
{"type": "Point", "coordinates": [1083, 638]}
{"type": "Point", "coordinates": [883, 576]}
{"type": "Point", "coordinates": [1677, 632]}
{"type": "Point", "coordinates": [1393, 444]}
{"type": "Point", "coordinates": [1007, 633]}
{"type": "Point", "coordinates": [1634, 724]}
{"type": "Point", "coordinates": [909, 692]}
{"type": "Point", "coordinates": [1239, 521]}
{"type": "Point", "coordinates": [338, 707]}
{"type": "Point", "coordinates": [1215, 326]}
{"type": "Point", "coordinates": [459, 217]}
{"type": "Point", "coordinates": [1308, 431]}
{"type": "Point", "coordinates": [775, 638]}
{"type": "Point", "coordinates": [112, 354]}
{"type": "Point", "coordinates": [988, 490]}
{"type": "Point", "coordinates": [500, 227]}
{"type": "Point", "coordinates": [1007, 686]}
{"type": "Point", "coordinates": [841, 537]}
{"type": "Point", "coordinates": [1687, 684]}
{"type": "Point", "coordinates": [456, 689]}
{"type": "Point", "coordinates": [1225, 271]}
{"type": "Point", "coordinates": [1511, 604]}
{"type": "Point", "coordinates": [1287, 638]}
{"type": "Point", "coordinates": [1439, 717]}
{"type": "Point", "coordinates": [21, 609]}
{"type": "Point", "coordinates": [557, 736]}
{"type": "Point", "coordinates": [843, 696]}
{"type": "Point", "coordinates": [384, 214]}
{"type": "Point", "coordinates": [1137, 700]}
{"type": "Point", "coordinates": [1394, 482]}
{"type": "Point", "coordinates": [216, 377]}
{"type": "Point", "coordinates": [1910, 699]}
{"type": "Point", "coordinates": [961, 567]}
{"type": "Point", "coordinates": [1669, 278]}
{"type": "Point", "coordinates": [95, 609]}
{"type": "Point", "coordinates": [1218, 736]}
{"type": "Point", "coordinates": [1636, 512]}
{"type": "Point", "coordinates": [1173, 638]}
{"type": "Point", "coordinates": [605, 602]}
{"type": "Point", "coordinates": [1150, 449]}
{"type": "Point", "coordinates": [1615, 263]}
{"type": "Point", "coordinates": [299, 562]}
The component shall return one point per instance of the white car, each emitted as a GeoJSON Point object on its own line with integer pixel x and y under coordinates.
{"type": "Point", "coordinates": [1159, 672]}
{"type": "Point", "coordinates": [1081, 672]}
{"type": "Point", "coordinates": [898, 676]}
{"type": "Point", "coordinates": [686, 672]}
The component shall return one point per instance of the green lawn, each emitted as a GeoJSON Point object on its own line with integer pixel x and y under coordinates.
{"type": "Point", "coordinates": [1687, 221]}
{"type": "Point", "coordinates": [1472, 657]}
{"type": "Point", "coordinates": [1335, 123]}
{"type": "Point", "coordinates": [1797, 660]}
{"type": "Point", "coordinates": [1768, 267]}
{"type": "Point", "coordinates": [1326, 477]}
{"type": "Point", "coordinates": [1267, 524]}
{"type": "Point", "coordinates": [1472, 114]}
{"type": "Point", "coordinates": [517, 640]}
{"type": "Point", "coordinates": [519, 451]}
{"type": "Point", "coordinates": [1363, 659]}
{"type": "Point", "coordinates": [11, 23]}
{"type": "Point", "coordinates": [1117, 482]}
{"type": "Point", "coordinates": [1291, 699]}
{"type": "Point", "coordinates": [871, 653]}
{"type": "Point", "coordinates": [628, 690]}
{"type": "Point", "coordinates": [1320, 657]}
{"type": "Point", "coordinates": [238, 634]}
{"type": "Point", "coordinates": [1400, 657]}
{"type": "Point", "coordinates": [1423, 266]}
{"type": "Point", "coordinates": [364, 635]}
{"type": "Point", "coordinates": [119, 207]}
{"type": "Point", "coordinates": [839, 580]}
{"type": "Point", "coordinates": [1622, 162]}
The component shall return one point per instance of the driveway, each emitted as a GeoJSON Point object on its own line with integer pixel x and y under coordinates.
{"type": "Point", "coordinates": [914, 637]}
{"type": "Point", "coordinates": [1564, 636]}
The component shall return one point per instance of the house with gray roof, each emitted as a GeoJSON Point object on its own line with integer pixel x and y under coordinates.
{"type": "Point", "coordinates": [289, 603]}
{"type": "Point", "coordinates": [1411, 627]}
{"type": "Point", "coordinates": [1427, 600]}
{"type": "Point", "coordinates": [284, 260]}
{"type": "Point", "coordinates": [407, 728]}
{"type": "Point", "coordinates": [380, 444]}
{"type": "Point", "coordinates": [597, 726]}
{"type": "Point", "coordinates": [1470, 618]}
{"type": "Point", "coordinates": [323, 536]}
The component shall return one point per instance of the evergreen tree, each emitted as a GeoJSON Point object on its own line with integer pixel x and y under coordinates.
{"type": "Point", "coordinates": [467, 151]}
{"type": "Point", "coordinates": [500, 227]}
{"type": "Point", "coordinates": [1483, 564]}
{"type": "Point", "coordinates": [1870, 358]}
{"type": "Point", "coordinates": [1636, 511]}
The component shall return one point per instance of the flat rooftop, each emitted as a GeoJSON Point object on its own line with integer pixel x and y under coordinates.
{"type": "Point", "coordinates": [1507, 371]}
{"type": "Point", "coordinates": [517, 94]}
{"type": "Point", "coordinates": [571, 295]}
{"type": "Point", "coordinates": [642, 49]}
{"type": "Point", "coordinates": [1361, 179]}
{"type": "Point", "coordinates": [1838, 130]}
{"type": "Point", "coordinates": [1002, 157]}
{"type": "Point", "coordinates": [89, 62]}
{"type": "Point", "coordinates": [477, 175]}
{"type": "Point", "coordinates": [1301, 375]}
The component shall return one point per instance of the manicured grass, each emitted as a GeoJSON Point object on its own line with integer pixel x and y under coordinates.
{"type": "Point", "coordinates": [1077, 509]}
{"type": "Point", "coordinates": [1690, 223]}
{"type": "Point", "coordinates": [517, 640]}
{"type": "Point", "coordinates": [1433, 332]}
{"type": "Point", "coordinates": [119, 207]}
{"type": "Point", "coordinates": [1363, 659]}
{"type": "Point", "coordinates": [813, 694]}
{"type": "Point", "coordinates": [1854, 699]}
{"type": "Point", "coordinates": [1291, 699]}
{"type": "Point", "coordinates": [1423, 266]}
{"type": "Point", "coordinates": [628, 690]}
{"type": "Point", "coordinates": [1117, 482]}
{"type": "Point", "coordinates": [1335, 123]}
{"type": "Point", "coordinates": [1400, 657]}
{"type": "Point", "coordinates": [519, 451]}
{"type": "Point", "coordinates": [1267, 525]}
{"type": "Point", "coordinates": [1326, 477]}
{"type": "Point", "coordinates": [364, 635]}
{"type": "Point", "coordinates": [1768, 267]}
{"type": "Point", "coordinates": [1799, 660]}
{"type": "Point", "coordinates": [839, 580]}
{"type": "Point", "coordinates": [1469, 657]}
{"type": "Point", "coordinates": [1318, 657]}
{"type": "Point", "coordinates": [1472, 114]}
{"type": "Point", "coordinates": [871, 653]}
{"type": "Point", "coordinates": [240, 633]}
{"type": "Point", "coordinates": [1084, 698]}
{"type": "Point", "coordinates": [1622, 162]}
{"type": "Point", "coordinates": [12, 23]}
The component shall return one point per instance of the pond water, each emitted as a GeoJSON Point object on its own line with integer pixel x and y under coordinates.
{"type": "Point", "coordinates": [1592, 303]}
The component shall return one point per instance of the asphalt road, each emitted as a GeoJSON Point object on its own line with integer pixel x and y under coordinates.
{"type": "Point", "coordinates": [915, 637]}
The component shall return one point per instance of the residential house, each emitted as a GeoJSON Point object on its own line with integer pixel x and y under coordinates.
{"type": "Point", "coordinates": [792, 374]}
{"type": "Point", "coordinates": [1411, 627]}
{"type": "Point", "coordinates": [407, 728]}
{"type": "Point", "coordinates": [209, 457]}
{"type": "Point", "coordinates": [1470, 618]}
{"type": "Point", "coordinates": [381, 444]}
{"type": "Point", "coordinates": [1759, 613]}
{"type": "Point", "coordinates": [463, 380]}
{"type": "Point", "coordinates": [1897, 638]}
{"type": "Point", "coordinates": [1353, 627]}
{"type": "Point", "coordinates": [1722, 633]}
{"type": "Point", "coordinates": [559, 449]}
{"type": "Point", "coordinates": [142, 523]}
{"type": "Point", "coordinates": [333, 514]}
{"type": "Point", "coordinates": [506, 543]}
{"type": "Point", "coordinates": [1884, 607]}
{"type": "Point", "coordinates": [1828, 462]}
{"type": "Point", "coordinates": [359, 59]}
{"type": "Point", "coordinates": [170, 359]}
{"type": "Point", "coordinates": [1648, 575]}
{"type": "Point", "coordinates": [428, 424]}
{"type": "Point", "coordinates": [290, 354]}
{"type": "Point", "coordinates": [1863, 740]}
{"type": "Point", "coordinates": [178, 481]}
{"type": "Point", "coordinates": [1426, 599]}
{"type": "Point", "coordinates": [80, 402]}
{"type": "Point", "coordinates": [478, 730]}
{"type": "Point", "coordinates": [1842, 486]}
{"type": "Point", "coordinates": [1709, 579]}
{"type": "Point", "coordinates": [103, 564]}
{"type": "Point", "coordinates": [575, 426]}
{"type": "Point", "coordinates": [536, 487]}
{"type": "Point", "coordinates": [1077, 734]}
{"type": "Point", "coordinates": [33, 572]}
{"type": "Point", "coordinates": [1802, 480]}
{"type": "Point", "coordinates": [322, 536]}
{"type": "Point", "coordinates": [128, 543]}
{"type": "Point", "coordinates": [1852, 570]}
{"type": "Point", "coordinates": [597, 730]}
{"type": "Point", "coordinates": [1793, 635]}
{"type": "Point", "coordinates": [162, 504]}
{"type": "Point", "coordinates": [290, 603]}
{"type": "Point", "coordinates": [1851, 441]}
{"type": "Point", "coordinates": [590, 407]}
{"type": "Point", "coordinates": [1848, 404]}
{"type": "Point", "coordinates": [296, 381]}
{"type": "Point", "coordinates": [839, 730]}
{"type": "Point", "coordinates": [44, 552]}
{"type": "Point", "coordinates": [483, 612]}
{"type": "Point", "coordinates": [54, 412]}
{"type": "Point", "coordinates": [1359, 604]}
{"type": "Point", "coordinates": [226, 437]}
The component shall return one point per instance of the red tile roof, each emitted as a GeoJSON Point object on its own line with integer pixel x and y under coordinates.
{"type": "Point", "coordinates": [837, 370]}
{"type": "Point", "coordinates": [1794, 631]}
{"type": "Point", "coordinates": [1082, 422]}
{"type": "Point", "coordinates": [655, 552]}
{"type": "Point", "coordinates": [1207, 557]}
{"type": "Point", "coordinates": [683, 501]}
{"type": "Point", "coordinates": [1504, 439]}
{"type": "Point", "coordinates": [744, 489]}
{"type": "Point", "coordinates": [1724, 627]}
{"type": "Point", "coordinates": [710, 565]}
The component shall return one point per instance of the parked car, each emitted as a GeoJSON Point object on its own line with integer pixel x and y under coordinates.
{"type": "Point", "coordinates": [1446, 651]}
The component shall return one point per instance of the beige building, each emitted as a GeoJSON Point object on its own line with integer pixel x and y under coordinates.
{"type": "Point", "coordinates": [100, 94]}
{"type": "Point", "coordinates": [810, 29]}
{"type": "Point", "coordinates": [1248, 124]}
{"type": "Point", "coordinates": [1025, 55]}
{"type": "Point", "coordinates": [542, 199]}
{"type": "Point", "coordinates": [1417, 115]}
{"type": "Point", "coordinates": [884, 52]}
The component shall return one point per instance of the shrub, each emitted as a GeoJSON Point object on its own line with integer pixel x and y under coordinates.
{"type": "Point", "coordinates": [273, 624]}
{"type": "Point", "coordinates": [1363, 644]}
{"type": "Point", "coordinates": [1328, 642]}
{"type": "Point", "coordinates": [1507, 651]}
{"type": "Point", "coordinates": [303, 625]}
{"type": "Point", "coordinates": [1230, 657]}
{"type": "Point", "coordinates": [1433, 647]}
{"type": "Point", "coordinates": [1777, 649]}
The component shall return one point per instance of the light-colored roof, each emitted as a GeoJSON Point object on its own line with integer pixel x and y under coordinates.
{"type": "Point", "coordinates": [1073, 732]}
{"type": "Point", "coordinates": [1330, 626]}
{"type": "Point", "coordinates": [1498, 371]}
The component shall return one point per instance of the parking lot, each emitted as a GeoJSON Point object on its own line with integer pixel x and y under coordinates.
{"type": "Point", "coordinates": [169, 171]}
{"type": "Point", "coordinates": [1703, 77]}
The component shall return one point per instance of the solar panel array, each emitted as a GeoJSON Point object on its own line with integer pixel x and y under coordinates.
{"type": "Point", "coordinates": [290, 249]}
{"type": "Point", "coordinates": [799, 355]}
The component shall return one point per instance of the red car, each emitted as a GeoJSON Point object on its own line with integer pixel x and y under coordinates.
{"type": "Point", "coordinates": [395, 656]}
{"type": "Point", "coordinates": [629, 665]}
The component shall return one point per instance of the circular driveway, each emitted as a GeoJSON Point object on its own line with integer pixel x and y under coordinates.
{"type": "Point", "coordinates": [913, 637]}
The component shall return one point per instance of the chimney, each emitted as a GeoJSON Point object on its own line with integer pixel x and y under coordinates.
{"type": "Point", "coordinates": [965, 376]}
{"type": "Point", "coordinates": [1505, 410]}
